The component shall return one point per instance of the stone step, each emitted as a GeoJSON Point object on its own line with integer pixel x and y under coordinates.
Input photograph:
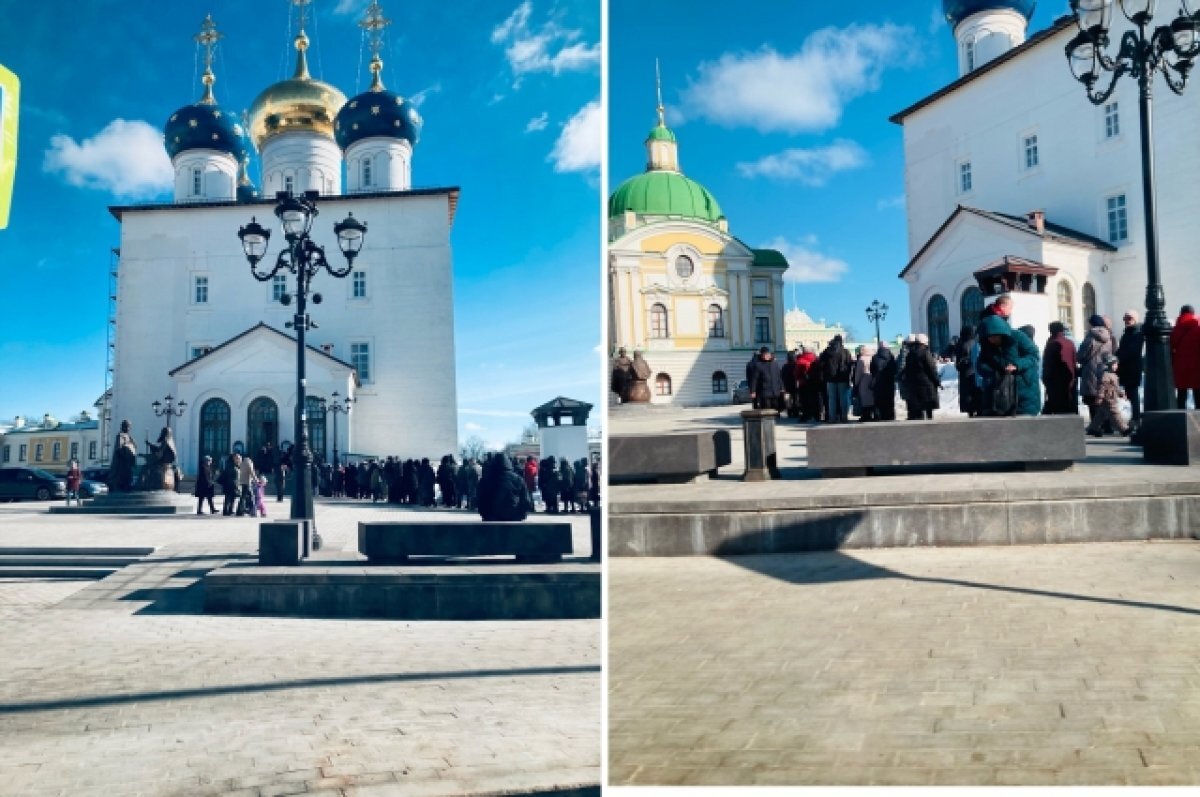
{"type": "Point", "coordinates": [75, 551]}
{"type": "Point", "coordinates": [68, 560]}
{"type": "Point", "coordinates": [37, 571]}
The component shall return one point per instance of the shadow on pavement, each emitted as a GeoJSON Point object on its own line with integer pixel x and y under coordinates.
{"type": "Point", "coordinates": [283, 686]}
{"type": "Point", "coordinates": [824, 564]}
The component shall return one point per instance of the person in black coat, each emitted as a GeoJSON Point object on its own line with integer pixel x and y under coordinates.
{"type": "Point", "coordinates": [205, 489]}
{"type": "Point", "coordinates": [766, 385]}
{"type": "Point", "coordinates": [502, 492]}
{"type": "Point", "coordinates": [790, 388]}
{"type": "Point", "coordinates": [922, 380]}
{"type": "Point", "coordinates": [969, 395]}
{"type": "Point", "coordinates": [883, 372]}
{"type": "Point", "coordinates": [229, 486]}
{"type": "Point", "coordinates": [426, 479]}
{"type": "Point", "coordinates": [1130, 363]}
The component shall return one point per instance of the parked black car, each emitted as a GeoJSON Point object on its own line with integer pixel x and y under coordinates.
{"type": "Point", "coordinates": [17, 483]}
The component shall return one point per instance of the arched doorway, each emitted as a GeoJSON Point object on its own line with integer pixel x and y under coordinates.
{"type": "Point", "coordinates": [972, 306]}
{"type": "Point", "coordinates": [316, 428]}
{"type": "Point", "coordinates": [262, 425]}
{"type": "Point", "coordinates": [939, 324]}
{"type": "Point", "coordinates": [1089, 302]}
{"type": "Point", "coordinates": [214, 430]}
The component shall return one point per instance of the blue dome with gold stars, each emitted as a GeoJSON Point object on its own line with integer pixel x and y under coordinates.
{"type": "Point", "coordinates": [958, 10]}
{"type": "Point", "coordinates": [377, 113]}
{"type": "Point", "coordinates": [204, 126]}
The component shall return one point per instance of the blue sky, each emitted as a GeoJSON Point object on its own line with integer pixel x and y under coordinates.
{"type": "Point", "coordinates": [509, 91]}
{"type": "Point", "coordinates": [781, 110]}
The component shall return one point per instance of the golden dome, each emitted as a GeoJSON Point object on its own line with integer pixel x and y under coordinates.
{"type": "Point", "coordinates": [298, 103]}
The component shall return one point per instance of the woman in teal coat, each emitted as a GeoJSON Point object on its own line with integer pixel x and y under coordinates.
{"type": "Point", "coordinates": [1002, 348]}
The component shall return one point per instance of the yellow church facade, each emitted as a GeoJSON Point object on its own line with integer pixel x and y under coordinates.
{"type": "Point", "coordinates": [693, 298]}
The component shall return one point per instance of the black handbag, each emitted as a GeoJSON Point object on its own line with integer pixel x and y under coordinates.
{"type": "Point", "coordinates": [1001, 397]}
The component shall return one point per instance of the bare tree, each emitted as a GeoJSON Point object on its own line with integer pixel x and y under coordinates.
{"type": "Point", "coordinates": [474, 448]}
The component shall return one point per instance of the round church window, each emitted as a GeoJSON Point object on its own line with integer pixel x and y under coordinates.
{"type": "Point", "coordinates": [684, 266]}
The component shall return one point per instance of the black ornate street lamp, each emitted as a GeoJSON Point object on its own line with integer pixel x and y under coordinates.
{"type": "Point", "coordinates": [1144, 51]}
{"type": "Point", "coordinates": [877, 312]}
{"type": "Point", "coordinates": [304, 259]}
{"type": "Point", "coordinates": [336, 406]}
{"type": "Point", "coordinates": [170, 408]}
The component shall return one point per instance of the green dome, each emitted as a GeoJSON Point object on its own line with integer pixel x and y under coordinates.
{"type": "Point", "coordinates": [663, 193]}
{"type": "Point", "coordinates": [661, 133]}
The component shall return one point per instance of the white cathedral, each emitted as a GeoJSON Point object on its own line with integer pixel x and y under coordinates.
{"type": "Point", "coordinates": [1015, 181]}
{"type": "Point", "coordinates": [191, 322]}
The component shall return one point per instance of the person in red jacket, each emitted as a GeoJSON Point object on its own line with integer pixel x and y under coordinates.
{"type": "Point", "coordinates": [1185, 356]}
{"type": "Point", "coordinates": [808, 386]}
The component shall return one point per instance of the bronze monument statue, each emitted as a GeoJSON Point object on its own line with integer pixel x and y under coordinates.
{"type": "Point", "coordinates": [124, 460]}
{"type": "Point", "coordinates": [160, 463]}
{"type": "Point", "coordinates": [638, 392]}
{"type": "Point", "coordinates": [619, 383]}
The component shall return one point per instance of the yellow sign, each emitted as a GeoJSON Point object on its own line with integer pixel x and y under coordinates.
{"type": "Point", "coordinates": [10, 92]}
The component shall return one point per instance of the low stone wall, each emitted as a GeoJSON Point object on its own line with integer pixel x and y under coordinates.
{"type": "Point", "coordinates": [810, 526]}
{"type": "Point", "coordinates": [496, 592]}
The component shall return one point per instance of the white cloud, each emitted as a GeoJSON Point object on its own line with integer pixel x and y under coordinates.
{"type": "Point", "coordinates": [811, 167]}
{"type": "Point", "coordinates": [125, 158]}
{"type": "Point", "coordinates": [802, 91]}
{"type": "Point", "coordinates": [549, 48]}
{"type": "Point", "coordinates": [805, 263]}
{"type": "Point", "coordinates": [937, 20]}
{"type": "Point", "coordinates": [891, 203]}
{"type": "Point", "coordinates": [419, 98]}
{"type": "Point", "coordinates": [578, 146]}
{"type": "Point", "coordinates": [349, 6]}
{"type": "Point", "coordinates": [472, 427]}
{"type": "Point", "coordinates": [493, 413]}
{"type": "Point", "coordinates": [538, 123]}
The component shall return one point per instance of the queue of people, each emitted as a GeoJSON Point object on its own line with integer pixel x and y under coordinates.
{"type": "Point", "coordinates": [1001, 372]}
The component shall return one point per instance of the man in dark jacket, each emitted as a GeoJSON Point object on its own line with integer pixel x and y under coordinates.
{"type": "Point", "coordinates": [883, 371]}
{"type": "Point", "coordinates": [1129, 363]}
{"type": "Point", "coordinates": [1058, 372]}
{"type": "Point", "coordinates": [836, 364]}
{"type": "Point", "coordinates": [766, 383]}
{"type": "Point", "coordinates": [790, 388]}
{"type": "Point", "coordinates": [502, 494]}
{"type": "Point", "coordinates": [923, 380]}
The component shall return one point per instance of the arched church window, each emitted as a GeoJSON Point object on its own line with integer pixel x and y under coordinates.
{"type": "Point", "coordinates": [1089, 300]}
{"type": "Point", "coordinates": [684, 267]}
{"type": "Point", "coordinates": [289, 183]}
{"type": "Point", "coordinates": [316, 427]}
{"type": "Point", "coordinates": [939, 323]}
{"type": "Point", "coordinates": [716, 321]}
{"type": "Point", "coordinates": [366, 172]}
{"type": "Point", "coordinates": [720, 382]}
{"type": "Point", "coordinates": [214, 430]}
{"type": "Point", "coordinates": [970, 48]}
{"type": "Point", "coordinates": [972, 306]}
{"type": "Point", "coordinates": [197, 182]}
{"type": "Point", "coordinates": [662, 385]}
{"type": "Point", "coordinates": [1066, 305]}
{"type": "Point", "coordinates": [658, 321]}
{"type": "Point", "coordinates": [262, 425]}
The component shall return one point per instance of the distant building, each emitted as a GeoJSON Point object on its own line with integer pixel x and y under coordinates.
{"type": "Point", "coordinates": [801, 330]}
{"type": "Point", "coordinates": [51, 444]}
{"type": "Point", "coordinates": [696, 300]}
{"type": "Point", "coordinates": [1015, 181]}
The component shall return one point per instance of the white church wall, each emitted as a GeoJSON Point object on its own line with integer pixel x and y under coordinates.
{"type": "Point", "coordinates": [391, 165]}
{"type": "Point", "coordinates": [984, 123]}
{"type": "Point", "coordinates": [408, 406]}
{"type": "Point", "coordinates": [311, 160]}
{"type": "Point", "coordinates": [218, 176]}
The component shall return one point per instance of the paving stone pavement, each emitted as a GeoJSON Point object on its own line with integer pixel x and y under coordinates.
{"type": "Point", "coordinates": [1046, 665]}
{"type": "Point", "coordinates": [120, 687]}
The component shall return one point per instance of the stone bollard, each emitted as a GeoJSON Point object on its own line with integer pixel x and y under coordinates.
{"type": "Point", "coordinates": [282, 542]}
{"type": "Point", "coordinates": [1171, 437]}
{"type": "Point", "coordinates": [758, 436]}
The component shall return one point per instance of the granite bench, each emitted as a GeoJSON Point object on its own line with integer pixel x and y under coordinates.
{"type": "Point", "coordinates": [389, 542]}
{"type": "Point", "coordinates": [676, 458]}
{"type": "Point", "coordinates": [1048, 442]}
